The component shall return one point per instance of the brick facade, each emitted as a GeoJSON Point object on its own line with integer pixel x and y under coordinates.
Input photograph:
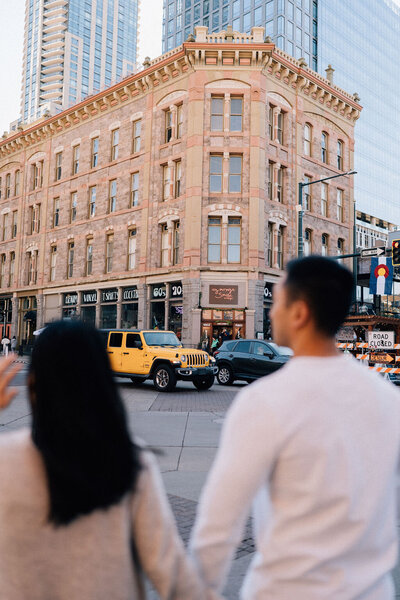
{"type": "Point", "coordinates": [185, 82]}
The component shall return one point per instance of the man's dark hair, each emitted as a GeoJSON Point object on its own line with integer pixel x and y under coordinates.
{"type": "Point", "coordinates": [326, 287]}
{"type": "Point", "coordinates": [79, 423]}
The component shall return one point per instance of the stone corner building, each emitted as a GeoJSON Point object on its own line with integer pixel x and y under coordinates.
{"type": "Point", "coordinates": [169, 200]}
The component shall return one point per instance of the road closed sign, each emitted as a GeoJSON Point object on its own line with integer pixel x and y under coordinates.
{"type": "Point", "coordinates": [381, 340]}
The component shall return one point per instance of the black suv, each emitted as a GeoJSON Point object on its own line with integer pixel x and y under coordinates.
{"type": "Point", "coordinates": [249, 360]}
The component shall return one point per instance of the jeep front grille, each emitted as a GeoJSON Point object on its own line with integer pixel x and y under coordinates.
{"type": "Point", "coordinates": [197, 360]}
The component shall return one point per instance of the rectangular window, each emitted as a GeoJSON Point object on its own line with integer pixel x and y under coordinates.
{"type": "Point", "coordinates": [340, 155]}
{"type": "Point", "coordinates": [114, 144]}
{"type": "Point", "coordinates": [137, 130]}
{"type": "Point", "coordinates": [270, 244]}
{"type": "Point", "coordinates": [4, 224]}
{"type": "Point", "coordinates": [279, 239]}
{"type": "Point", "coordinates": [270, 180]}
{"type": "Point", "coordinates": [215, 173]}
{"type": "Point", "coordinates": [177, 182]}
{"type": "Point", "coordinates": [56, 212]}
{"type": "Point", "coordinates": [12, 269]}
{"type": "Point", "coordinates": [14, 224]}
{"type": "Point", "coordinates": [75, 159]}
{"type": "Point", "coordinates": [53, 261]}
{"type": "Point", "coordinates": [168, 126]}
{"type": "Point", "coordinates": [94, 160]}
{"type": "Point", "coordinates": [164, 245]}
{"type": "Point", "coordinates": [134, 189]}
{"type": "Point", "coordinates": [131, 249]}
{"type": "Point", "coordinates": [324, 147]}
{"type": "Point", "coordinates": [1, 184]}
{"type": "Point", "coordinates": [339, 201]}
{"type": "Point", "coordinates": [179, 121]}
{"type": "Point", "coordinates": [109, 252]}
{"type": "Point", "coordinates": [271, 122]}
{"type": "Point", "coordinates": [235, 173]}
{"type": "Point", "coordinates": [73, 207]}
{"type": "Point", "coordinates": [17, 187]}
{"type": "Point", "coordinates": [307, 194]}
{"type": "Point", "coordinates": [2, 270]}
{"type": "Point", "coordinates": [175, 244]}
{"type": "Point", "coordinates": [34, 218]}
{"type": "Point", "coordinates": [236, 115]}
{"type": "Point", "coordinates": [166, 186]}
{"type": "Point", "coordinates": [279, 187]}
{"type": "Point", "coordinates": [92, 201]}
{"type": "Point", "coordinates": [279, 131]}
{"type": "Point", "coordinates": [8, 186]}
{"type": "Point", "coordinates": [89, 256]}
{"type": "Point", "coordinates": [324, 199]}
{"type": "Point", "coordinates": [112, 196]}
{"type": "Point", "coordinates": [324, 244]}
{"type": "Point", "coordinates": [58, 172]}
{"type": "Point", "coordinates": [70, 260]}
{"type": "Point", "coordinates": [217, 114]}
{"type": "Point", "coordinates": [234, 234]}
{"type": "Point", "coordinates": [214, 239]}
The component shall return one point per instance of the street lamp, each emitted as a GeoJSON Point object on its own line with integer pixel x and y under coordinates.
{"type": "Point", "coordinates": [300, 207]}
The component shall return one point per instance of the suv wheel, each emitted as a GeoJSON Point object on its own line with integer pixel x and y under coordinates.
{"type": "Point", "coordinates": [164, 378]}
{"type": "Point", "coordinates": [203, 383]}
{"type": "Point", "coordinates": [225, 375]}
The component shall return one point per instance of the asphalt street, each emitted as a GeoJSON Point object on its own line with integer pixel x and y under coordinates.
{"type": "Point", "coordinates": [184, 428]}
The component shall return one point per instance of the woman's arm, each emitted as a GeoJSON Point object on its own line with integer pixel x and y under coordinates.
{"type": "Point", "coordinates": [159, 547]}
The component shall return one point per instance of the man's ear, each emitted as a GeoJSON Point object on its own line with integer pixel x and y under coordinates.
{"type": "Point", "coordinates": [301, 314]}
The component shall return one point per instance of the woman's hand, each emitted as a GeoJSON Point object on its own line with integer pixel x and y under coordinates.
{"type": "Point", "coordinates": [8, 371]}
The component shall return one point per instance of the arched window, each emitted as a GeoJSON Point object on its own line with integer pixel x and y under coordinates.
{"type": "Point", "coordinates": [307, 242]}
{"type": "Point", "coordinates": [324, 244]}
{"type": "Point", "coordinates": [324, 147]}
{"type": "Point", "coordinates": [340, 248]}
{"type": "Point", "coordinates": [307, 139]}
{"type": "Point", "coordinates": [339, 155]}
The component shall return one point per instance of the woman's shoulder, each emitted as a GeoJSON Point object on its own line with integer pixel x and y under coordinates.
{"type": "Point", "coordinates": [16, 449]}
{"type": "Point", "coordinates": [12, 440]}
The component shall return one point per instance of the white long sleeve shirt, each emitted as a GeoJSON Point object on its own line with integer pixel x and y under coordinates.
{"type": "Point", "coordinates": [315, 448]}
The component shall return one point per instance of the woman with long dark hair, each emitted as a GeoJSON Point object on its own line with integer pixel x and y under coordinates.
{"type": "Point", "coordinates": [83, 511]}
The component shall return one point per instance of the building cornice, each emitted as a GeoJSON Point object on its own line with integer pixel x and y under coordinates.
{"type": "Point", "coordinates": [214, 50]}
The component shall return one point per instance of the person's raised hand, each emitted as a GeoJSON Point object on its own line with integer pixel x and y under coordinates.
{"type": "Point", "coordinates": [8, 370]}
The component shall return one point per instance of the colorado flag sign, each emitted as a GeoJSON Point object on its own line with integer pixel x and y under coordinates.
{"type": "Point", "coordinates": [381, 277]}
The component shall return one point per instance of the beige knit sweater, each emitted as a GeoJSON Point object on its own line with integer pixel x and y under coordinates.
{"type": "Point", "coordinates": [89, 559]}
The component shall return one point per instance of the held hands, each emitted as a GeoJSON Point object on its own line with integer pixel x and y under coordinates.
{"type": "Point", "coordinates": [8, 370]}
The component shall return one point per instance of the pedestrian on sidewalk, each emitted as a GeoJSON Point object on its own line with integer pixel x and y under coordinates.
{"type": "Point", "coordinates": [314, 448]}
{"type": "Point", "coordinates": [13, 344]}
{"type": "Point", "coordinates": [83, 512]}
{"type": "Point", "coordinates": [5, 342]}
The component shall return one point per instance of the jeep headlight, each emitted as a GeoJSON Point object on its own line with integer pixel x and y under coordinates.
{"type": "Point", "coordinates": [212, 359]}
{"type": "Point", "coordinates": [183, 357]}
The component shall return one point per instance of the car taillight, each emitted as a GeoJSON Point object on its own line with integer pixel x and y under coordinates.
{"type": "Point", "coordinates": [215, 353]}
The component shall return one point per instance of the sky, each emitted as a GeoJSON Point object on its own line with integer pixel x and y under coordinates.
{"type": "Point", "coordinates": [11, 44]}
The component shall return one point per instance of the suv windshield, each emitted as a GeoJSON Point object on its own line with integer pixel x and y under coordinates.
{"type": "Point", "coordinates": [161, 338]}
{"type": "Point", "coordinates": [281, 349]}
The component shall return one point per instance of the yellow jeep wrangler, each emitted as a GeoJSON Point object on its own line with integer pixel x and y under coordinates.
{"type": "Point", "coordinates": [157, 355]}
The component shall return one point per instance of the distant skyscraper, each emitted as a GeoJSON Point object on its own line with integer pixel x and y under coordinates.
{"type": "Point", "coordinates": [290, 24]}
{"type": "Point", "coordinates": [74, 48]}
{"type": "Point", "coordinates": [360, 38]}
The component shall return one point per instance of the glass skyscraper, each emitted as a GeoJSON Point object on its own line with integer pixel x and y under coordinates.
{"type": "Point", "coordinates": [74, 48]}
{"type": "Point", "coordinates": [359, 38]}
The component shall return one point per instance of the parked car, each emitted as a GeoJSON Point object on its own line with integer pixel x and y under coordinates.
{"type": "Point", "coordinates": [249, 359]}
{"type": "Point", "coordinates": [393, 378]}
{"type": "Point", "coordinates": [157, 355]}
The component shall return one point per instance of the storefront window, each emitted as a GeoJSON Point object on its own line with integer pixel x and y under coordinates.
{"type": "Point", "coordinates": [129, 316]}
{"type": "Point", "coordinates": [88, 315]}
{"type": "Point", "coordinates": [108, 312]}
{"type": "Point", "coordinates": [157, 315]}
{"type": "Point", "coordinates": [175, 319]}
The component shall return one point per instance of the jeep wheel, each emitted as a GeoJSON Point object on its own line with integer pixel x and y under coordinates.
{"type": "Point", "coordinates": [137, 380]}
{"type": "Point", "coordinates": [164, 379]}
{"type": "Point", "coordinates": [225, 375]}
{"type": "Point", "coordinates": [203, 383]}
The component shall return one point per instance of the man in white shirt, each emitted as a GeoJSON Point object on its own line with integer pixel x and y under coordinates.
{"type": "Point", "coordinates": [314, 448]}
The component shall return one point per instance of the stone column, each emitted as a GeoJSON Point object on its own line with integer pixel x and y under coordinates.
{"type": "Point", "coordinates": [275, 169]}
{"type": "Point", "coordinates": [191, 317]}
{"type": "Point", "coordinates": [143, 306]}
{"type": "Point", "coordinates": [255, 301]}
{"type": "Point", "coordinates": [276, 112]}
{"type": "Point", "coordinates": [39, 311]}
{"type": "Point", "coordinates": [275, 228]}
{"type": "Point", "coordinates": [14, 318]}
{"type": "Point", "coordinates": [171, 180]}
{"type": "Point", "coordinates": [225, 173]}
{"type": "Point", "coordinates": [173, 110]}
{"type": "Point", "coordinates": [119, 307]}
{"type": "Point", "coordinates": [98, 308]}
{"type": "Point", "coordinates": [250, 317]}
{"type": "Point", "coordinates": [227, 112]}
{"type": "Point", "coordinates": [224, 240]}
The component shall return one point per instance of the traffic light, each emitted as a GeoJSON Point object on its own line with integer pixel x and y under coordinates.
{"type": "Point", "coordinates": [396, 253]}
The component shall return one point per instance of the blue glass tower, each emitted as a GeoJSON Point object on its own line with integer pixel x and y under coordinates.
{"type": "Point", "coordinates": [74, 48]}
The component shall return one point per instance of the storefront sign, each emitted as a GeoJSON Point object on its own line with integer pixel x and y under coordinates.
{"type": "Point", "coordinates": [109, 295]}
{"type": "Point", "coordinates": [176, 289]}
{"type": "Point", "coordinates": [130, 294]}
{"type": "Point", "coordinates": [89, 297]}
{"type": "Point", "coordinates": [268, 285]}
{"type": "Point", "coordinates": [223, 294]}
{"type": "Point", "coordinates": [158, 292]}
{"type": "Point", "coordinates": [70, 299]}
{"type": "Point", "coordinates": [381, 340]}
